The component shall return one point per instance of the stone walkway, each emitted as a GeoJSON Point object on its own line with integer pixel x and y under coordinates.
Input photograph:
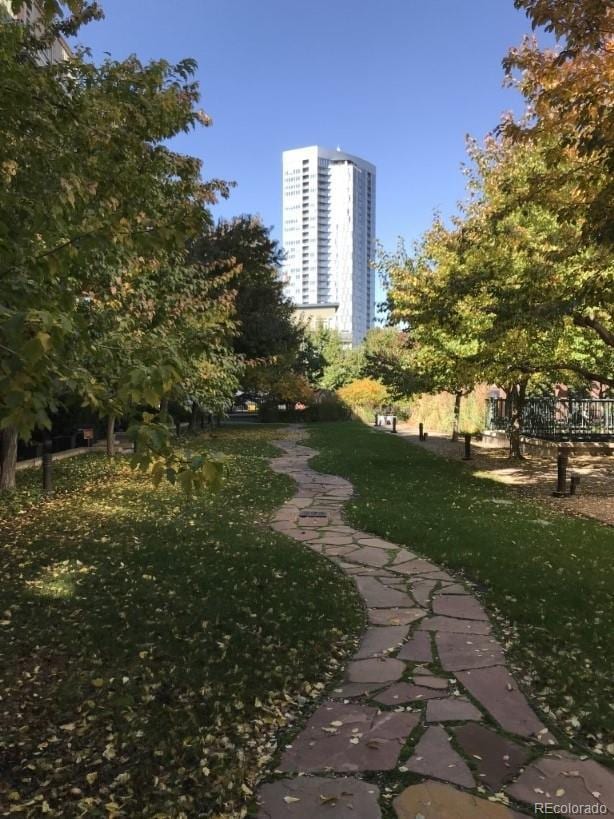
{"type": "Point", "coordinates": [426, 697]}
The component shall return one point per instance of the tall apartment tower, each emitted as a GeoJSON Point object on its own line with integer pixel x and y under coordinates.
{"type": "Point", "coordinates": [329, 239]}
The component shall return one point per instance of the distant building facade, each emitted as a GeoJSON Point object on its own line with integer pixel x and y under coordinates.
{"type": "Point", "coordinates": [328, 235]}
{"type": "Point", "coordinates": [59, 49]}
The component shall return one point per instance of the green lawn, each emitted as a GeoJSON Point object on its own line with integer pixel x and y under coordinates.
{"type": "Point", "coordinates": [550, 577]}
{"type": "Point", "coordinates": [150, 643]}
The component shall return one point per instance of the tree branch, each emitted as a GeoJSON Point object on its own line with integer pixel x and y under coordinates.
{"type": "Point", "coordinates": [590, 375]}
{"type": "Point", "coordinates": [607, 336]}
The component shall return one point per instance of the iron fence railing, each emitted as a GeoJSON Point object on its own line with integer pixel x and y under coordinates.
{"type": "Point", "coordinates": [557, 419]}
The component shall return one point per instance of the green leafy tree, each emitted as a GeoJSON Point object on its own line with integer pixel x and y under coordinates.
{"type": "Point", "coordinates": [570, 123]}
{"type": "Point", "coordinates": [87, 186]}
{"type": "Point", "coordinates": [388, 358]}
{"type": "Point", "coordinates": [267, 338]}
{"type": "Point", "coordinates": [340, 364]}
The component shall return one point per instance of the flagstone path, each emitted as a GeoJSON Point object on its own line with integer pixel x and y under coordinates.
{"type": "Point", "coordinates": [426, 694]}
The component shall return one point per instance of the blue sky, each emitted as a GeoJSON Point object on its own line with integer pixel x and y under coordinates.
{"type": "Point", "coordinates": [398, 82]}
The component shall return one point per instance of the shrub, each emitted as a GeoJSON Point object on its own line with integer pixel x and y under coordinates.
{"type": "Point", "coordinates": [437, 411]}
{"type": "Point", "coordinates": [366, 393]}
{"type": "Point", "coordinates": [329, 408]}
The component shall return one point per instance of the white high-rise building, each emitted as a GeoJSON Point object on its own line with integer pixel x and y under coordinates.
{"type": "Point", "coordinates": [58, 51]}
{"type": "Point", "coordinates": [329, 238]}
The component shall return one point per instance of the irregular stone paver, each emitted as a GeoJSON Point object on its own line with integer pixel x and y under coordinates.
{"type": "Point", "coordinates": [376, 542]}
{"type": "Point", "coordinates": [378, 670]}
{"type": "Point", "coordinates": [365, 571]}
{"type": "Point", "coordinates": [394, 583]}
{"type": "Point", "coordinates": [402, 557]}
{"type": "Point", "coordinates": [435, 757]}
{"type": "Point", "coordinates": [378, 641]}
{"type": "Point", "coordinates": [351, 690]}
{"type": "Point", "coordinates": [378, 596]}
{"type": "Point", "coordinates": [286, 514]}
{"type": "Point", "coordinates": [395, 617]}
{"type": "Point", "coordinates": [418, 649]}
{"type": "Point", "coordinates": [454, 625]}
{"type": "Point", "coordinates": [424, 678]}
{"type": "Point", "coordinates": [308, 523]}
{"type": "Point", "coordinates": [343, 738]}
{"type": "Point", "coordinates": [497, 691]}
{"type": "Point", "coordinates": [336, 539]}
{"type": "Point", "coordinates": [451, 709]}
{"type": "Point", "coordinates": [369, 556]}
{"type": "Point", "coordinates": [457, 653]}
{"type": "Point", "coordinates": [432, 800]}
{"type": "Point", "coordinates": [300, 534]}
{"type": "Point", "coordinates": [421, 591]}
{"type": "Point", "coordinates": [463, 607]}
{"type": "Point", "coordinates": [497, 758]}
{"type": "Point", "coordinates": [403, 692]}
{"type": "Point", "coordinates": [315, 547]}
{"type": "Point", "coordinates": [314, 797]}
{"type": "Point", "coordinates": [334, 551]}
{"type": "Point", "coordinates": [438, 575]}
{"type": "Point", "coordinates": [417, 566]}
{"type": "Point", "coordinates": [403, 590]}
{"type": "Point", "coordinates": [454, 588]}
{"type": "Point", "coordinates": [563, 779]}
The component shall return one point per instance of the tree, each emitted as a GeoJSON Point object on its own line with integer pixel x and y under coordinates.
{"type": "Point", "coordinates": [87, 188]}
{"type": "Point", "coordinates": [570, 110]}
{"type": "Point", "coordinates": [388, 359]}
{"type": "Point", "coordinates": [310, 360]}
{"type": "Point", "coordinates": [442, 349]}
{"type": "Point", "coordinates": [546, 279]}
{"type": "Point", "coordinates": [364, 392]}
{"type": "Point", "coordinates": [459, 297]}
{"type": "Point", "coordinates": [521, 286]}
{"type": "Point", "coordinates": [177, 315]}
{"type": "Point", "coordinates": [267, 337]}
{"type": "Point", "coordinates": [583, 23]}
{"type": "Point", "coordinates": [340, 363]}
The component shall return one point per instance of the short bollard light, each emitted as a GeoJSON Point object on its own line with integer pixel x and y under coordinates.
{"type": "Point", "coordinates": [561, 474]}
{"type": "Point", "coordinates": [421, 431]}
{"type": "Point", "coordinates": [467, 455]}
{"type": "Point", "coordinates": [394, 423]}
{"type": "Point", "coordinates": [47, 468]}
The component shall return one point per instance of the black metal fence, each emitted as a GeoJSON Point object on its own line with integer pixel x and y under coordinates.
{"type": "Point", "coordinates": [59, 443]}
{"type": "Point", "coordinates": [557, 419]}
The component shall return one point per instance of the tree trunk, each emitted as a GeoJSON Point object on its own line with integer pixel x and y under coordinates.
{"type": "Point", "coordinates": [457, 408]}
{"type": "Point", "coordinates": [517, 421]}
{"type": "Point", "coordinates": [8, 458]}
{"type": "Point", "coordinates": [110, 436]}
{"type": "Point", "coordinates": [164, 410]}
{"type": "Point", "coordinates": [194, 417]}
